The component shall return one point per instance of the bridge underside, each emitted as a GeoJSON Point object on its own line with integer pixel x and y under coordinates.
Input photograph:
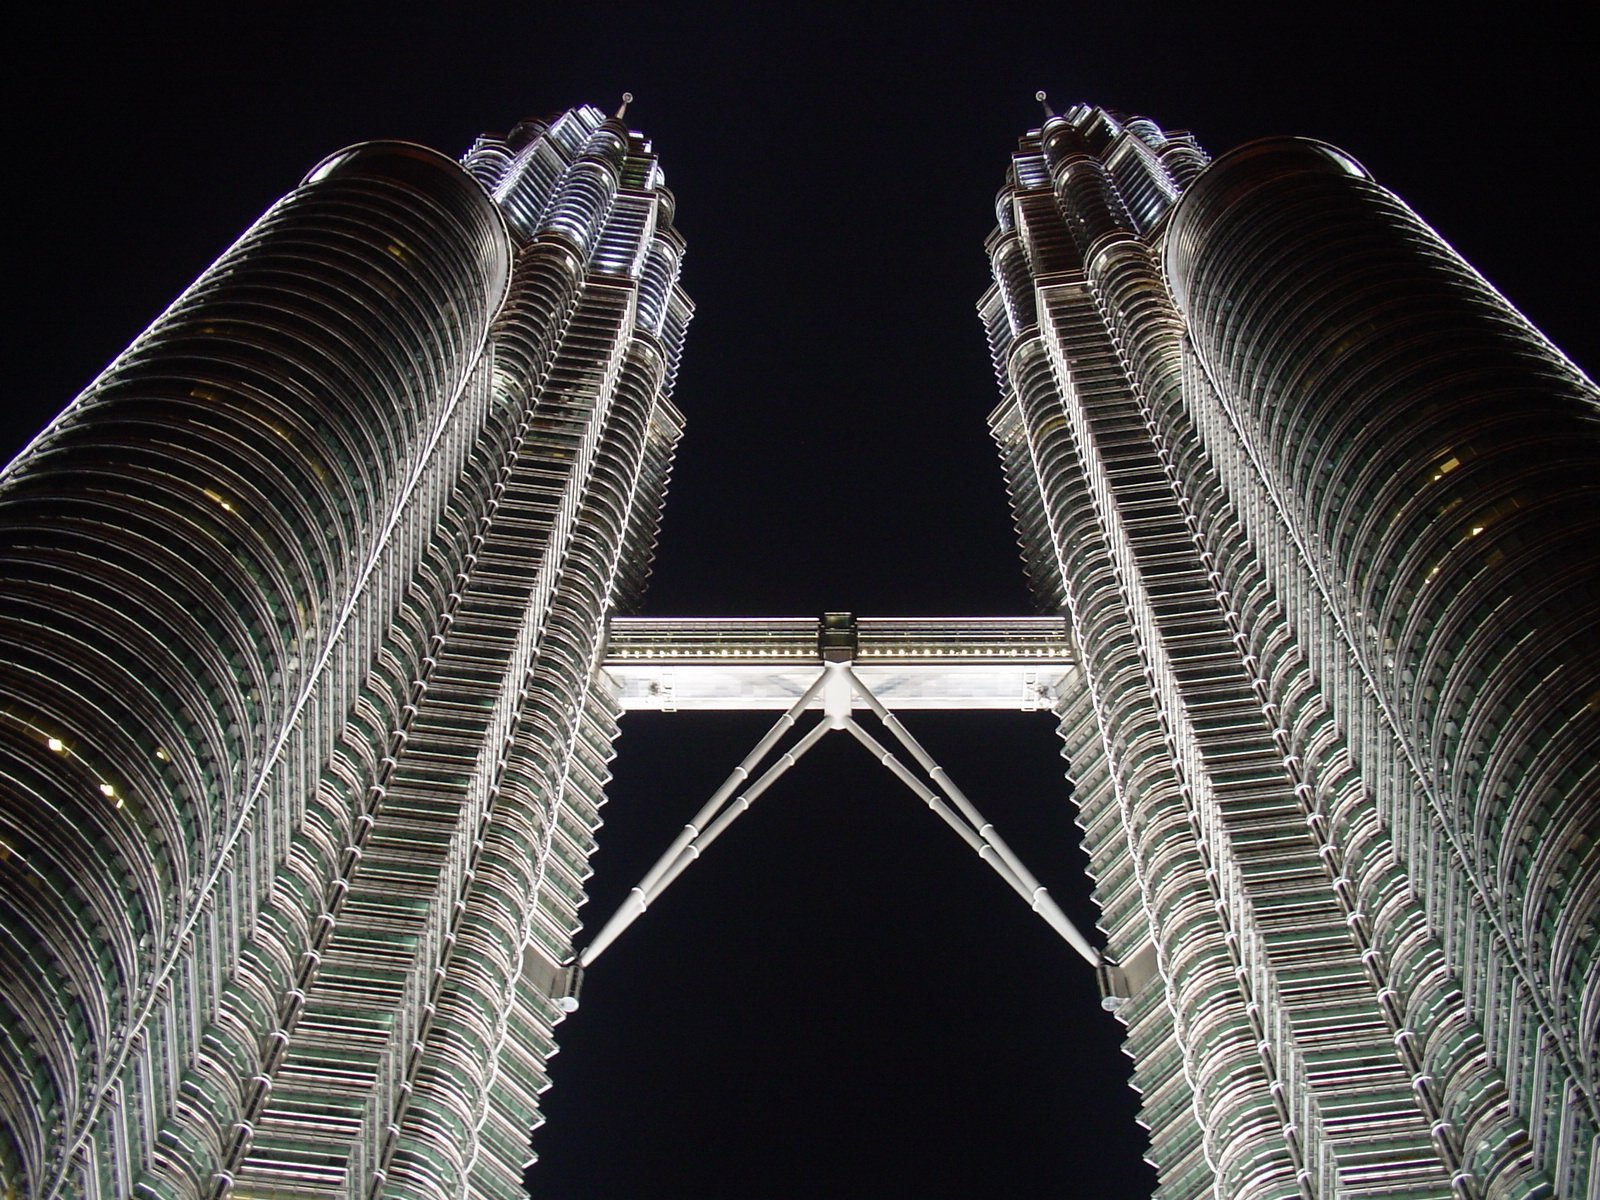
{"type": "Point", "coordinates": [667, 664]}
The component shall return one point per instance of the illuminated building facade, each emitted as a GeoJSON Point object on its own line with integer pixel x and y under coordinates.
{"type": "Point", "coordinates": [304, 608]}
{"type": "Point", "coordinates": [302, 736]}
{"type": "Point", "coordinates": [1321, 508]}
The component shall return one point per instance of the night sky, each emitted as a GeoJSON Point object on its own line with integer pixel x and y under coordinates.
{"type": "Point", "coordinates": [839, 1000]}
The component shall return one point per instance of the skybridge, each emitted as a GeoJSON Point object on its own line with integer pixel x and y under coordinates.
{"type": "Point", "coordinates": [668, 664]}
{"type": "Point", "coordinates": [821, 675]}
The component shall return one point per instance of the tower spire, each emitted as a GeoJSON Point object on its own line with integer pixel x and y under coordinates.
{"type": "Point", "coordinates": [622, 111]}
{"type": "Point", "coordinates": [1044, 99]}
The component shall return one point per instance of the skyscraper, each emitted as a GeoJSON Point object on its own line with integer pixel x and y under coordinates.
{"type": "Point", "coordinates": [1321, 507]}
{"type": "Point", "coordinates": [304, 600]}
{"type": "Point", "coordinates": [302, 736]}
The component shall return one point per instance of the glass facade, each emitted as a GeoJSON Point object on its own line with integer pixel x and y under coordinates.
{"type": "Point", "coordinates": [1320, 506]}
{"type": "Point", "coordinates": [303, 600]}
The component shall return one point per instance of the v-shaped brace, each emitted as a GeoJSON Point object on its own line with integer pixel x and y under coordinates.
{"type": "Point", "coordinates": [836, 686]}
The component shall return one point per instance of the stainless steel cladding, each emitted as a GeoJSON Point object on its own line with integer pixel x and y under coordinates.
{"type": "Point", "coordinates": [1321, 507]}
{"type": "Point", "coordinates": [302, 742]}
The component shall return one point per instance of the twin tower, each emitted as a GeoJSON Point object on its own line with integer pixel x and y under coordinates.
{"type": "Point", "coordinates": [309, 693]}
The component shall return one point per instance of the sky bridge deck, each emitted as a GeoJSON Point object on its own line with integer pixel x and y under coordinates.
{"type": "Point", "coordinates": [667, 664]}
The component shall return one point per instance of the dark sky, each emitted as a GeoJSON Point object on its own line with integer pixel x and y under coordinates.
{"type": "Point", "coordinates": [838, 1000]}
